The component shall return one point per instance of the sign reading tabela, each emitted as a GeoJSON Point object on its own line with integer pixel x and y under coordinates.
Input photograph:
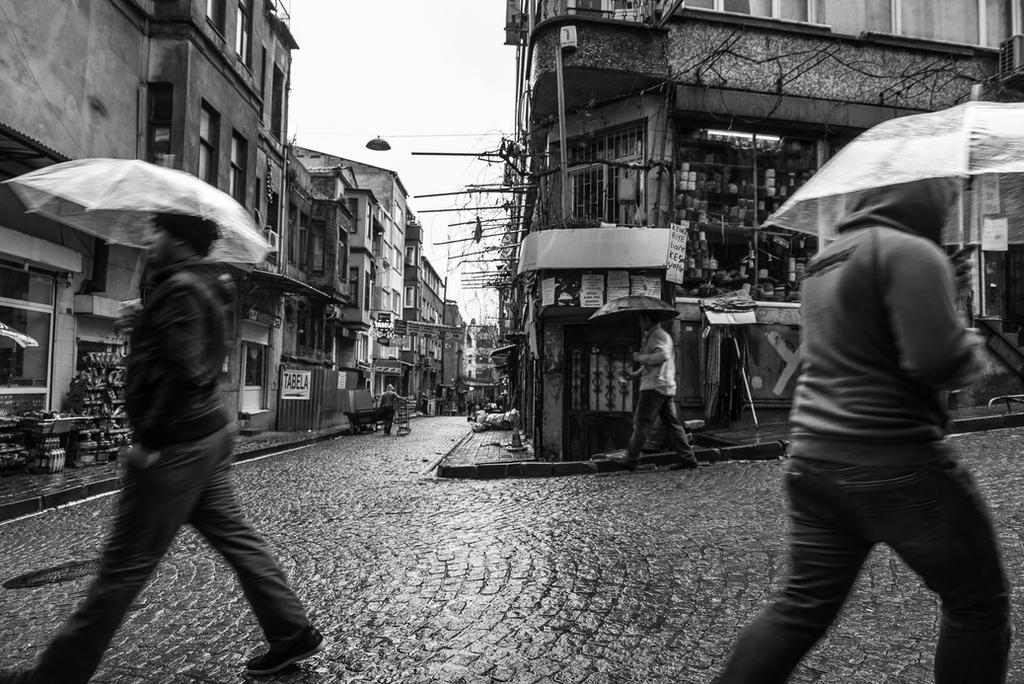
{"type": "Point", "coordinates": [295, 384]}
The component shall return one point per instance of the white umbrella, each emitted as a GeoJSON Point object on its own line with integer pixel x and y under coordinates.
{"type": "Point", "coordinates": [960, 142]}
{"type": "Point", "coordinates": [116, 199]}
{"type": "Point", "coordinates": [20, 338]}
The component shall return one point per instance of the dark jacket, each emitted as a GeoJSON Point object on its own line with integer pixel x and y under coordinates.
{"type": "Point", "coordinates": [880, 334]}
{"type": "Point", "coordinates": [177, 352]}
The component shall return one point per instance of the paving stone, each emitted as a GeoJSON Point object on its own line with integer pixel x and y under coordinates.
{"type": "Point", "coordinates": [644, 577]}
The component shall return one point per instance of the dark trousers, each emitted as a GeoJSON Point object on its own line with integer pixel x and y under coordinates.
{"type": "Point", "coordinates": [932, 516]}
{"type": "Point", "coordinates": [389, 418]}
{"type": "Point", "coordinates": [190, 483]}
{"type": "Point", "coordinates": [649, 407]}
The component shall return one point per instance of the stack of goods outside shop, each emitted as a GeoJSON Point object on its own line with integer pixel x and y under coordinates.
{"type": "Point", "coordinates": [91, 431]}
{"type": "Point", "coordinates": [93, 426]}
{"type": "Point", "coordinates": [726, 185]}
{"type": "Point", "coordinates": [739, 296]}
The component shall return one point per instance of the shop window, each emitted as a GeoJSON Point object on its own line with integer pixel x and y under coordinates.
{"type": "Point", "coordinates": [209, 125]}
{"type": "Point", "coordinates": [161, 112]}
{"type": "Point", "coordinates": [727, 184]}
{"type": "Point", "coordinates": [239, 154]}
{"type": "Point", "coordinates": [27, 286]}
{"type": "Point", "coordinates": [24, 370]}
{"type": "Point", "coordinates": [255, 364]}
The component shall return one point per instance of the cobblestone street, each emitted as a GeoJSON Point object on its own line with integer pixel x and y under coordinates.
{"type": "Point", "coordinates": [643, 577]}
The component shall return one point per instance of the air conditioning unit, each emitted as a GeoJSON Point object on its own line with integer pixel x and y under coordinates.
{"type": "Point", "coordinates": [272, 238]}
{"type": "Point", "coordinates": [1011, 56]}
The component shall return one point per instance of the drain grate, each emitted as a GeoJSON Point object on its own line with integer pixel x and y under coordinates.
{"type": "Point", "coordinates": [55, 575]}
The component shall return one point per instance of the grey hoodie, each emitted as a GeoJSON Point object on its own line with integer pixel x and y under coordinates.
{"type": "Point", "coordinates": [880, 335]}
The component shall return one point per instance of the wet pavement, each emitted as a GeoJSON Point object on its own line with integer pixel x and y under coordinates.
{"type": "Point", "coordinates": [617, 577]}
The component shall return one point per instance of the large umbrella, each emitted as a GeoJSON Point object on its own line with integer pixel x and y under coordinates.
{"type": "Point", "coordinates": [623, 307]}
{"type": "Point", "coordinates": [964, 141]}
{"type": "Point", "coordinates": [116, 199]}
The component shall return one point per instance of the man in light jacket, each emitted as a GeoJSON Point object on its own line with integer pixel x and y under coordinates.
{"type": "Point", "coordinates": [869, 463]}
{"type": "Point", "coordinates": [657, 395]}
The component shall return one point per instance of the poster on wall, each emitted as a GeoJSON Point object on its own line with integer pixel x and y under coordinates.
{"type": "Point", "coordinates": [675, 260]}
{"type": "Point", "coordinates": [547, 292]}
{"type": "Point", "coordinates": [618, 284]}
{"type": "Point", "coordinates": [567, 290]}
{"type": "Point", "coordinates": [592, 290]}
{"type": "Point", "coordinates": [990, 203]}
{"type": "Point", "coordinates": [553, 349]}
{"type": "Point", "coordinates": [994, 234]}
{"type": "Point", "coordinates": [645, 285]}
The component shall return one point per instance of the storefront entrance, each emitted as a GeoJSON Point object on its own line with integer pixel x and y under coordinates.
{"type": "Point", "coordinates": [599, 401]}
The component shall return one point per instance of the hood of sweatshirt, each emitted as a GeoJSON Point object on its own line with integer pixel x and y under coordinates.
{"type": "Point", "coordinates": [919, 208]}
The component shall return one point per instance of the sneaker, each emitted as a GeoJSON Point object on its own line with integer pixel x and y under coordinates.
{"type": "Point", "coordinates": [309, 643]}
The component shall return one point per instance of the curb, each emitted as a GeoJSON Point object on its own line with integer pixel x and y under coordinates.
{"type": "Point", "coordinates": [52, 499]}
{"type": "Point", "coordinates": [768, 451]}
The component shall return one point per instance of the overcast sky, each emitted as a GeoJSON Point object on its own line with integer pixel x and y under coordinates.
{"type": "Point", "coordinates": [410, 71]}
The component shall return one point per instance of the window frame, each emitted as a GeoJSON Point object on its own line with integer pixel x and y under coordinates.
{"type": "Point", "coordinates": [216, 14]}
{"type": "Point", "coordinates": [156, 90]}
{"type": "Point", "coordinates": [243, 33]}
{"type": "Point", "coordinates": [236, 178]}
{"type": "Point", "coordinates": [812, 11]}
{"type": "Point", "coordinates": [211, 146]}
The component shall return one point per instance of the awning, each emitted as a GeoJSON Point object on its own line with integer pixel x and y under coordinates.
{"type": "Point", "coordinates": [614, 248]}
{"type": "Point", "coordinates": [282, 284]}
{"type": "Point", "coordinates": [20, 154]}
{"type": "Point", "coordinates": [503, 351]}
{"type": "Point", "coordinates": [390, 366]}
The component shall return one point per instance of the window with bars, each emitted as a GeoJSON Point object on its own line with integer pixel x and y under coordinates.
{"type": "Point", "coordinates": [603, 185]}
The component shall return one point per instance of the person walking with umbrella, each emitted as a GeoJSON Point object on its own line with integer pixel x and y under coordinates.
{"type": "Point", "coordinates": [179, 468]}
{"type": "Point", "coordinates": [869, 463]}
{"type": "Point", "coordinates": [657, 372]}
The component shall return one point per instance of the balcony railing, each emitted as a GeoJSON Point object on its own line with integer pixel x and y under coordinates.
{"type": "Point", "coordinates": [622, 10]}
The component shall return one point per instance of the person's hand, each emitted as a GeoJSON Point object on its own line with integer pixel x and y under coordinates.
{"type": "Point", "coordinates": [963, 270]}
{"type": "Point", "coordinates": [127, 312]}
{"type": "Point", "coordinates": [636, 357]}
{"type": "Point", "coordinates": [141, 457]}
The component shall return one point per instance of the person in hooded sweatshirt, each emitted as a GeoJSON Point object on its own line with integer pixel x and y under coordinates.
{"type": "Point", "coordinates": [179, 469]}
{"type": "Point", "coordinates": [869, 463]}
